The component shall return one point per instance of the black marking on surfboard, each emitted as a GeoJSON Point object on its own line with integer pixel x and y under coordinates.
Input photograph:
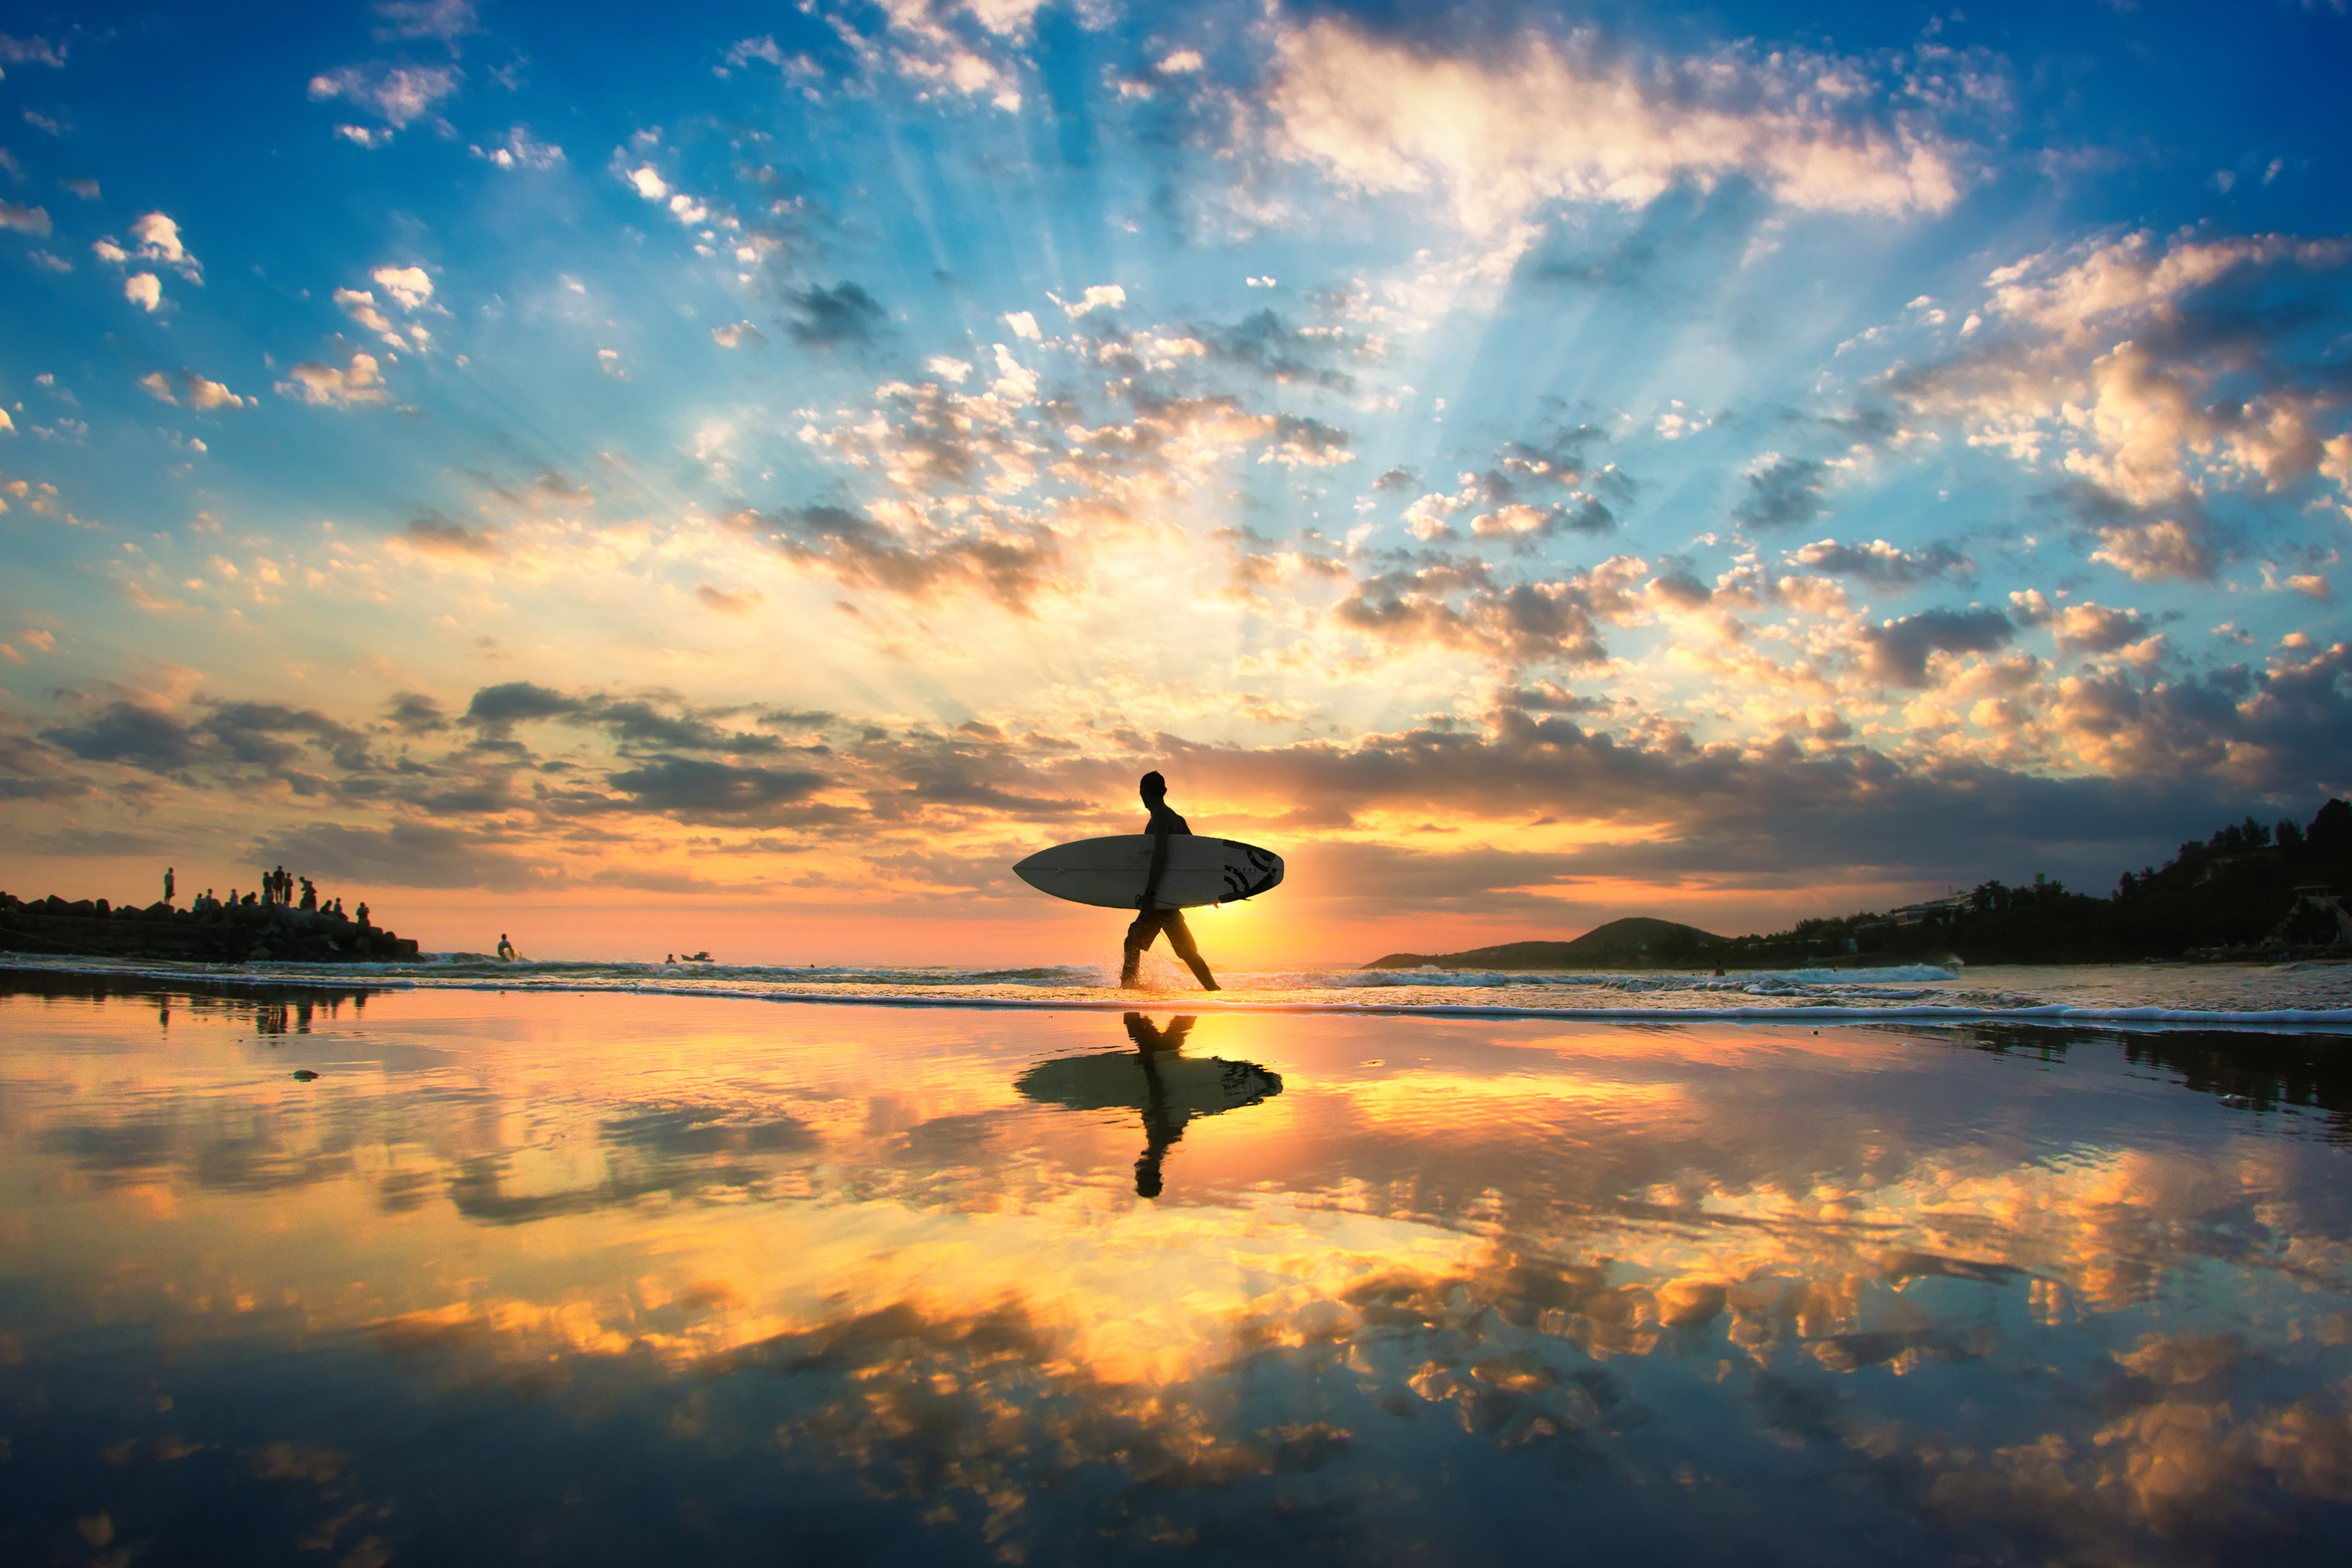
{"type": "Point", "coordinates": [1265, 871]}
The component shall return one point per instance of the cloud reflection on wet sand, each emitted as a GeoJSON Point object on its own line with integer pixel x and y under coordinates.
{"type": "Point", "coordinates": [1674, 1287]}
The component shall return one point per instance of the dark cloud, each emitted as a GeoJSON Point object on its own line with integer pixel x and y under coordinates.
{"type": "Point", "coordinates": [437, 536]}
{"type": "Point", "coordinates": [1011, 566]}
{"type": "Point", "coordinates": [976, 768]}
{"type": "Point", "coordinates": [415, 714]}
{"type": "Point", "coordinates": [1883, 565]}
{"type": "Point", "coordinates": [1458, 603]}
{"type": "Point", "coordinates": [694, 789]}
{"type": "Point", "coordinates": [1265, 344]}
{"type": "Point", "coordinates": [1311, 441]}
{"type": "Point", "coordinates": [517, 701]}
{"type": "Point", "coordinates": [2174, 539]}
{"type": "Point", "coordinates": [30, 771]}
{"type": "Point", "coordinates": [1547, 697]}
{"type": "Point", "coordinates": [1781, 492]}
{"type": "Point", "coordinates": [642, 724]}
{"type": "Point", "coordinates": [1897, 652]}
{"type": "Point", "coordinates": [127, 733]}
{"type": "Point", "coordinates": [252, 733]}
{"type": "Point", "coordinates": [844, 316]}
{"type": "Point", "coordinates": [1399, 481]}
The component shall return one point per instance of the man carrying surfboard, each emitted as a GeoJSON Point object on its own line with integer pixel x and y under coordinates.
{"type": "Point", "coordinates": [1163, 824]}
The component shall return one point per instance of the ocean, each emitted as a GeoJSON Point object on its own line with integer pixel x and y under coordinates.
{"type": "Point", "coordinates": [613, 1264]}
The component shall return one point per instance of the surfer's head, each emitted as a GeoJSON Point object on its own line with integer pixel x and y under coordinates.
{"type": "Point", "coordinates": [1153, 786]}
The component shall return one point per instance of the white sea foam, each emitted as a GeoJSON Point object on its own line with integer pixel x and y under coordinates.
{"type": "Point", "coordinates": [2302, 998]}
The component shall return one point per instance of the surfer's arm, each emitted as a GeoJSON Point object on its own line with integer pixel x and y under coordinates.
{"type": "Point", "coordinates": [1159, 868]}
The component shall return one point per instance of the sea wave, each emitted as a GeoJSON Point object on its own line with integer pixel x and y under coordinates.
{"type": "Point", "coordinates": [1920, 994]}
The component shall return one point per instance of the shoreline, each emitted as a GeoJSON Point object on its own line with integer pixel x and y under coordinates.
{"type": "Point", "coordinates": [2130, 1019]}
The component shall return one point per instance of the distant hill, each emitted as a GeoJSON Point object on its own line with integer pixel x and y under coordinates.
{"type": "Point", "coordinates": [1614, 945]}
{"type": "Point", "coordinates": [2252, 891]}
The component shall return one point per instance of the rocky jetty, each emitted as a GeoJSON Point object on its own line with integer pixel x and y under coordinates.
{"type": "Point", "coordinates": [226, 933]}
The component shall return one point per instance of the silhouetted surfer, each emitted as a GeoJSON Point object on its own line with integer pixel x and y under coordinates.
{"type": "Point", "coordinates": [1150, 922]}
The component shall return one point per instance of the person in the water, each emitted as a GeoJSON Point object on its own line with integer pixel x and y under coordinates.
{"type": "Point", "coordinates": [1163, 824]}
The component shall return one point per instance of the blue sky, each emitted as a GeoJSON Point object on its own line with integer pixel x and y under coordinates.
{"type": "Point", "coordinates": [1532, 464]}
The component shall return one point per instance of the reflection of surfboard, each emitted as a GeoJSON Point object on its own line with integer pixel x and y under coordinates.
{"type": "Point", "coordinates": [1110, 872]}
{"type": "Point", "coordinates": [1194, 1086]}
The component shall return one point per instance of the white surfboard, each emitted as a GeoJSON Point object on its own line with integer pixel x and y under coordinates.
{"type": "Point", "coordinates": [1110, 873]}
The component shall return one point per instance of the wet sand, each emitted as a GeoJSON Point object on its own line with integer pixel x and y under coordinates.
{"type": "Point", "coordinates": [612, 1278]}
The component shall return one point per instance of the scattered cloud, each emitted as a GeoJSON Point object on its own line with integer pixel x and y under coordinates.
{"type": "Point", "coordinates": [1543, 119]}
{"type": "Point", "coordinates": [1781, 492]}
{"type": "Point", "coordinates": [1897, 651]}
{"type": "Point", "coordinates": [397, 95]}
{"type": "Point", "coordinates": [193, 390]}
{"type": "Point", "coordinates": [520, 150]}
{"type": "Point", "coordinates": [330, 386]}
{"type": "Point", "coordinates": [1883, 566]}
{"type": "Point", "coordinates": [844, 316]}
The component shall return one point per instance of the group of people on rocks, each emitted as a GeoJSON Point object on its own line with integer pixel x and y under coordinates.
{"type": "Point", "coordinates": [276, 891]}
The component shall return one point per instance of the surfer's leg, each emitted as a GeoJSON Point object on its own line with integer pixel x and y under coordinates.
{"type": "Point", "coordinates": [1139, 936]}
{"type": "Point", "coordinates": [1179, 938]}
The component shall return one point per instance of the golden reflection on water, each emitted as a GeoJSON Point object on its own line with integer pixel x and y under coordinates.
{"type": "Point", "coordinates": [1685, 1258]}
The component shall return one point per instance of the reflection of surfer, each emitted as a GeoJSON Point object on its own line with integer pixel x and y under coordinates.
{"type": "Point", "coordinates": [1150, 922]}
{"type": "Point", "coordinates": [1172, 1088]}
{"type": "Point", "coordinates": [1160, 1127]}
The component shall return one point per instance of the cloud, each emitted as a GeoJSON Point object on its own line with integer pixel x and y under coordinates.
{"type": "Point", "coordinates": [1883, 566]}
{"type": "Point", "coordinates": [86, 189]}
{"type": "Point", "coordinates": [36, 50]}
{"type": "Point", "coordinates": [448, 20]}
{"type": "Point", "coordinates": [432, 536]}
{"type": "Point", "coordinates": [143, 289]}
{"type": "Point", "coordinates": [1010, 565]}
{"type": "Point", "coordinates": [1546, 120]}
{"type": "Point", "coordinates": [327, 386]}
{"type": "Point", "coordinates": [1098, 297]}
{"type": "Point", "coordinates": [2095, 628]}
{"type": "Point", "coordinates": [407, 854]}
{"type": "Point", "coordinates": [842, 315]}
{"type": "Point", "coordinates": [729, 604]}
{"type": "Point", "coordinates": [1897, 652]}
{"type": "Point", "coordinates": [2150, 378]}
{"type": "Point", "coordinates": [1265, 344]}
{"type": "Point", "coordinates": [1782, 491]}
{"type": "Point", "coordinates": [517, 701]}
{"type": "Point", "coordinates": [159, 241]}
{"type": "Point", "coordinates": [397, 95]}
{"type": "Point", "coordinates": [1449, 603]}
{"type": "Point", "coordinates": [409, 287]}
{"type": "Point", "coordinates": [143, 737]}
{"type": "Point", "coordinates": [198, 392]}
{"type": "Point", "coordinates": [34, 221]}
{"type": "Point", "coordinates": [520, 150]}
{"type": "Point", "coordinates": [416, 714]}
{"type": "Point", "coordinates": [736, 334]}
{"type": "Point", "coordinates": [694, 789]}
{"type": "Point", "coordinates": [232, 737]}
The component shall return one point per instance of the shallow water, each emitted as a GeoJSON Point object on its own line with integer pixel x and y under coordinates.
{"type": "Point", "coordinates": [607, 1276]}
{"type": "Point", "coordinates": [2153, 995]}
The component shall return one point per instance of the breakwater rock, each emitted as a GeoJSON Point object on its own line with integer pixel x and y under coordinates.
{"type": "Point", "coordinates": [230, 933]}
